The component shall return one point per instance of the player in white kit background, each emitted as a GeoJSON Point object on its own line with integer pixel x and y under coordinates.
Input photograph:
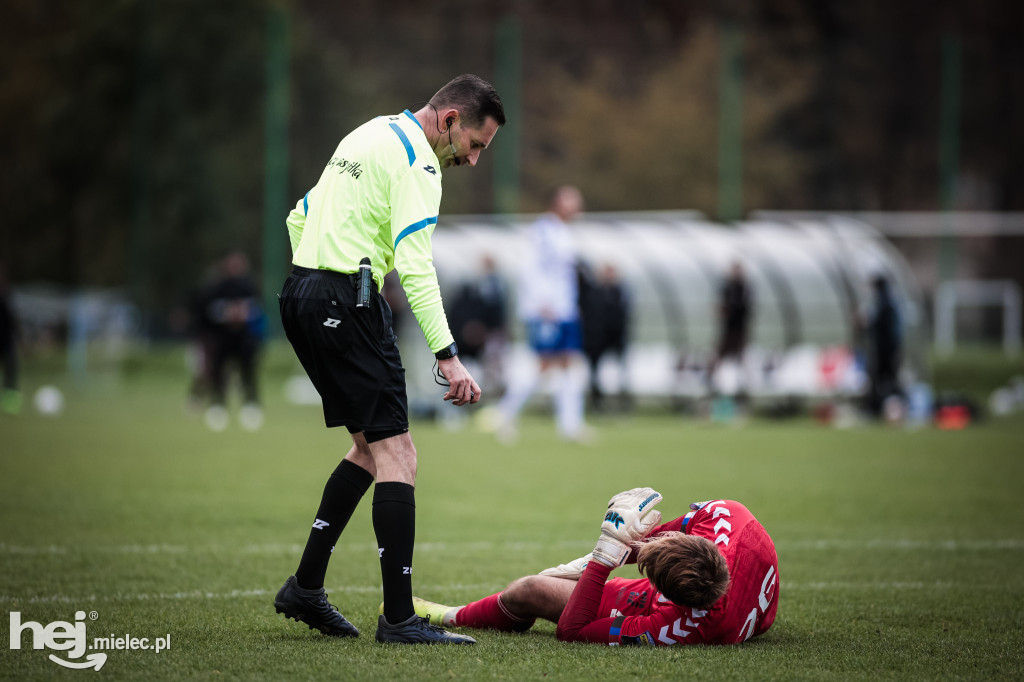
{"type": "Point", "coordinates": [548, 305]}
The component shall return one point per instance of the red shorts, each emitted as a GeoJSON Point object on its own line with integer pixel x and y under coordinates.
{"type": "Point", "coordinates": [625, 597]}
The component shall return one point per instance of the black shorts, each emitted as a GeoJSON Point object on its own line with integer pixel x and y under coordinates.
{"type": "Point", "coordinates": [350, 354]}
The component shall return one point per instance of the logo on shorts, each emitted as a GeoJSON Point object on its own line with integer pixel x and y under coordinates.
{"type": "Point", "coordinates": [332, 323]}
{"type": "Point", "coordinates": [638, 599]}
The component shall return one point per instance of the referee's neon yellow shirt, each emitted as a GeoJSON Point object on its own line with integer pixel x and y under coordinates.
{"type": "Point", "coordinates": [379, 197]}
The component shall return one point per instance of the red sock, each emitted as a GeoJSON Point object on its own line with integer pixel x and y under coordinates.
{"type": "Point", "coordinates": [490, 613]}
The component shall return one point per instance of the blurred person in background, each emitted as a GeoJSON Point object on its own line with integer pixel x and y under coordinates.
{"type": "Point", "coordinates": [10, 396]}
{"type": "Point", "coordinates": [604, 314]}
{"type": "Point", "coordinates": [478, 322]}
{"type": "Point", "coordinates": [548, 304]}
{"type": "Point", "coordinates": [885, 351]}
{"type": "Point", "coordinates": [735, 309]}
{"type": "Point", "coordinates": [373, 210]}
{"type": "Point", "coordinates": [234, 328]}
{"type": "Point", "coordinates": [397, 302]}
{"type": "Point", "coordinates": [194, 319]}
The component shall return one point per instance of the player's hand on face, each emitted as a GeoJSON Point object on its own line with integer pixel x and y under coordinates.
{"type": "Point", "coordinates": [462, 389]}
{"type": "Point", "coordinates": [631, 514]}
{"type": "Point", "coordinates": [629, 517]}
{"type": "Point", "coordinates": [627, 495]}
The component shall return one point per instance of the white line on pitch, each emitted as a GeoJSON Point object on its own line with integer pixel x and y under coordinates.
{"type": "Point", "coordinates": [231, 594]}
{"type": "Point", "coordinates": [478, 588]}
{"type": "Point", "coordinates": [904, 544]}
{"type": "Point", "coordinates": [281, 548]}
{"type": "Point", "coordinates": [974, 545]}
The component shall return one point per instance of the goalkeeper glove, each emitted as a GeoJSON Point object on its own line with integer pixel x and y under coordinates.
{"type": "Point", "coordinates": [630, 516]}
{"type": "Point", "coordinates": [570, 571]}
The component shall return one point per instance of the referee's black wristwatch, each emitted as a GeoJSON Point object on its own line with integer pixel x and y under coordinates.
{"type": "Point", "coordinates": [446, 353]}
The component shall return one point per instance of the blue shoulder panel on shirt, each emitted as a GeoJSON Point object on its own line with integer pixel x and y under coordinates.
{"type": "Point", "coordinates": [413, 228]}
{"type": "Point", "coordinates": [305, 204]}
{"type": "Point", "coordinates": [409, 114]}
{"type": "Point", "coordinates": [405, 141]}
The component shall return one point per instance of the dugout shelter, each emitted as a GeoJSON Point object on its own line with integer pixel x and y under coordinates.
{"type": "Point", "coordinates": [810, 280]}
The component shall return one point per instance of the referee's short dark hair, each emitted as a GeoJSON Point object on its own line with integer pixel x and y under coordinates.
{"type": "Point", "coordinates": [475, 98]}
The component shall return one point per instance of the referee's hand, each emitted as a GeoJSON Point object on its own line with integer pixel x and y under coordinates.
{"type": "Point", "coordinates": [462, 390]}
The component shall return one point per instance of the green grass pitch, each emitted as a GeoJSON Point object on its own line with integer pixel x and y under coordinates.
{"type": "Point", "coordinates": [900, 552]}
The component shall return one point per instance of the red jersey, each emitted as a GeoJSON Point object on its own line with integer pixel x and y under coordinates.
{"type": "Point", "coordinates": [626, 612]}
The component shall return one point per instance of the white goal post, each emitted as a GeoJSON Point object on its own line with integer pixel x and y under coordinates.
{"type": "Point", "coordinates": [959, 293]}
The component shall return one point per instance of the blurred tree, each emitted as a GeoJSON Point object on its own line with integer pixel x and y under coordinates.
{"type": "Point", "coordinates": [132, 130]}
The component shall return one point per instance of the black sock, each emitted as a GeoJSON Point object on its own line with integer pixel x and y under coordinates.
{"type": "Point", "coordinates": [342, 493]}
{"type": "Point", "coordinates": [394, 522]}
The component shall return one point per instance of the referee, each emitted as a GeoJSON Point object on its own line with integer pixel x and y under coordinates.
{"type": "Point", "coordinates": [372, 211]}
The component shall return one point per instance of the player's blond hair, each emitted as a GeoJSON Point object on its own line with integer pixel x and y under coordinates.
{"type": "Point", "coordinates": [687, 569]}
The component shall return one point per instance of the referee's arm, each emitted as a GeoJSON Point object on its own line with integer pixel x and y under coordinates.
{"type": "Point", "coordinates": [415, 199]}
{"type": "Point", "coordinates": [413, 219]}
{"type": "Point", "coordinates": [296, 222]}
